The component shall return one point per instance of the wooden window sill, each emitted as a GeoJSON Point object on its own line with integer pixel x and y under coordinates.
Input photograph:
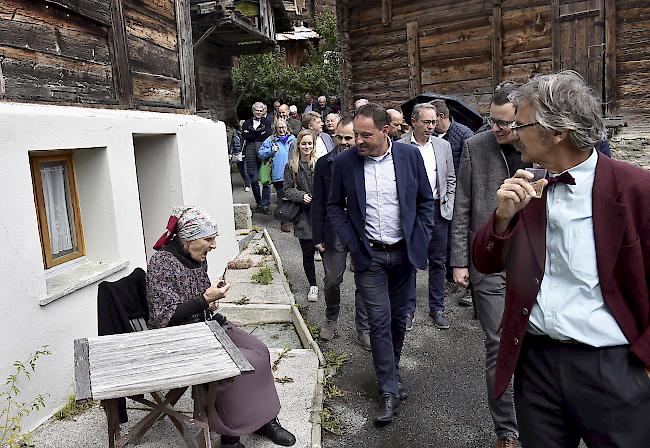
{"type": "Point", "coordinates": [79, 275]}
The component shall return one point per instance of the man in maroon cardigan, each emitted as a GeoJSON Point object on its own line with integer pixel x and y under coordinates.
{"type": "Point", "coordinates": [576, 322]}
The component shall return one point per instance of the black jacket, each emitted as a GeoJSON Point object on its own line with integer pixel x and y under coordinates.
{"type": "Point", "coordinates": [120, 301]}
{"type": "Point", "coordinates": [321, 229]}
{"type": "Point", "coordinates": [250, 135]}
{"type": "Point", "coordinates": [456, 136]}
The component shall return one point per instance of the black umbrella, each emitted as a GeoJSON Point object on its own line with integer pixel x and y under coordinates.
{"type": "Point", "coordinates": [458, 110]}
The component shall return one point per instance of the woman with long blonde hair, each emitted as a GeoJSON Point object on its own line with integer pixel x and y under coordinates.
{"type": "Point", "coordinates": [298, 182]}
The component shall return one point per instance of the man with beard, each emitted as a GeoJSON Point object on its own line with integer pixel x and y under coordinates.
{"type": "Point", "coordinates": [576, 249]}
{"type": "Point", "coordinates": [381, 207]}
{"type": "Point", "coordinates": [333, 252]}
{"type": "Point", "coordinates": [488, 158]}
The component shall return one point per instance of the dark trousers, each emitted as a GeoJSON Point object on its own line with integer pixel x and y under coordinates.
{"type": "Point", "coordinates": [388, 290]}
{"type": "Point", "coordinates": [308, 251]}
{"type": "Point", "coordinates": [262, 198]}
{"type": "Point", "coordinates": [437, 258]}
{"type": "Point", "coordinates": [279, 191]}
{"type": "Point", "coordinates": [334, 265]}
{"type": "Point", "coordinates": [489, 300]}
{"type": "Point", "coordinates": [567, 392]}
{"type": "Point", "coordinates": [450, 270]}
{"type": "Point", "coordinates": [241, 166]}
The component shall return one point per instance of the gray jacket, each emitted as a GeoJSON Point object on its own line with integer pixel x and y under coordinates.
{"type": "Point", "coordinates": [445, 173]}
{"type": "Point", "coordinates": [483, 168]}
{"type": "Point", "coordinates": [295, 191]}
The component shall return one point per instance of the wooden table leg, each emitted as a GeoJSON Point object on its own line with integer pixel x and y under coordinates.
{"type": "Point", "coordinates": [199, 396]}
{"type": "Point", "coordinates": [112, 421]}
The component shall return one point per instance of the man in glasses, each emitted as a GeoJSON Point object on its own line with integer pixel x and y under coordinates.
{"type": "Point", "coordinates": [576, 328]}
{"type": "Point", "coordinates": [439, 164]}
{"type": "Point", "coordinates": [488, 158]}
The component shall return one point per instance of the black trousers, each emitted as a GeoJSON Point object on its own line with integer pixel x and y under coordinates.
{"type": "Point", "coordinates": [308, 251]}
{"type": "Point", "coordinates": [567, 392]}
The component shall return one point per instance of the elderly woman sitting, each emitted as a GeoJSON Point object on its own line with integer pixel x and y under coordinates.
{"type": "Point", "coordinates": [180, 292]}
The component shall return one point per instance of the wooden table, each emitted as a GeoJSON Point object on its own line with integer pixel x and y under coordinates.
{"type": "Point", "coordinates": [169, 359]}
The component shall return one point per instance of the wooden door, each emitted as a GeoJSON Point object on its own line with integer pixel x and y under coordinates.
{"type": "Point", "coordinates": [579, 40]}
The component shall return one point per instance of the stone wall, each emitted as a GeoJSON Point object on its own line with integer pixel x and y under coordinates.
{"type": "Point", "coordinates": [634, 149]}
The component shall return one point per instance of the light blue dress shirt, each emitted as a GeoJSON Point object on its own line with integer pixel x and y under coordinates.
{"type": "Point", "coordinates": [570, 303]}
{"type": "Point", "coordinates": [383, 218]}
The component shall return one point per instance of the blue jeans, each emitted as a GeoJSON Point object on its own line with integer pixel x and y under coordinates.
{"type": "Point", "coordinates": [437, 260]}
{"type": "Point", "coordinates": [388, 290]}
{"type": "Point", "coordinates": [263, 199]}
{"type": "Point", "coordinates": [241, 166]}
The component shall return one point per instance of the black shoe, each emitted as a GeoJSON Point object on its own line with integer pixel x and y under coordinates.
{"type": "Point", "coordinates": [266, 210]}
{"type": "Point", "coordinates": [387, 409]}
{"type": "Point", "coordinates": [278, 435]}
{"type": "Point", "coordinates": [439, 320]}
{"type": "Point", "coordinates": [402, 389]}
{"type": "Point", "coordinates": [258, 208]}
{"type": "Point", "coordinates": [233, 445]}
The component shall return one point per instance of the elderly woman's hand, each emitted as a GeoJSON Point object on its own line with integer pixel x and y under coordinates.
{"type": "Point", "coordinates": [216, 292]}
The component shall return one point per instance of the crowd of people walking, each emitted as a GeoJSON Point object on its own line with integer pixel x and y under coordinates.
{"type": "Point", "coordinates": [563, 303]}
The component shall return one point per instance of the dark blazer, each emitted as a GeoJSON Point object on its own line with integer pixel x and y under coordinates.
{"type": "Point", "coordinates": [347, 203]}
{"type": "Point", "coordinates": [621, 218]}
{"type": "Point", "coordinates": [321, 228]}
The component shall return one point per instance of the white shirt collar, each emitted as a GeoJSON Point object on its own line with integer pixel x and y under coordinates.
{"type": "Point", "coordinates": [582, 171]}
{"type": "Point", "coordinates": [386, 154]}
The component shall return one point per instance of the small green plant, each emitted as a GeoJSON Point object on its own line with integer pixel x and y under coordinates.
{"type": "Point", "coordinates": [72, 408]}
{"type": "Point", "coordinates": [243, 300]}
{"type": "Point", "coordinates": [334, 361]}
{"type": "Point", "coordinates": [263, 276]}
{"type": "Point", "coordinates": [329, 422]}
{"type": "Point", "coordinates": [283, 379]}
{"type": "Point", "coordinates": [12, 410]}
{"type": "Point", "coordinates": [314, 328]}
{"type": "Point", "coordinates": [281, 356]}
{"type": "Point", "coordinates": [331, 390]}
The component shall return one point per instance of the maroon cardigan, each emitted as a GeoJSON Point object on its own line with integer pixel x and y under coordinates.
{"type": "Point", "coordinates": [621, 219]}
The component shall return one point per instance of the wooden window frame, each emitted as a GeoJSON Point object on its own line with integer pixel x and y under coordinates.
{"type": "Point", "coordinates": [35, 161]}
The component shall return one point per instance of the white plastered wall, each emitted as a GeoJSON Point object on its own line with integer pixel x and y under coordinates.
{"type": "Point", "coordinates": [115, 214]}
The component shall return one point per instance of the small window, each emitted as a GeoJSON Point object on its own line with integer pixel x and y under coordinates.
{"type": "Point", "coordinates": [57, 207]}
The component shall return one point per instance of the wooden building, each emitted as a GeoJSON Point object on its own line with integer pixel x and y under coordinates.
{"type": "Point", "coordinates": [395, 49]}
{"type": "Point", "coordinates": [131, 54]}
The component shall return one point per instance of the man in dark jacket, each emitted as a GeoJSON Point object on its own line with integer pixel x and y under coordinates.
{"type": "Point", "coordinates": [328, 243]}
{"type": "Point", "coordinates": [254, 131]}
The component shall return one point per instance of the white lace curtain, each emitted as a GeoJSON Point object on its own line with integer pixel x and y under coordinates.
{"type": "Point", "coordinates": [54, 179]}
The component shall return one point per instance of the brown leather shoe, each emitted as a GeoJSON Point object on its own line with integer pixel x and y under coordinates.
{"type": "Point", "coordinates": [506, 442]}
{"type": "Point", "coordinates": [285, 227]}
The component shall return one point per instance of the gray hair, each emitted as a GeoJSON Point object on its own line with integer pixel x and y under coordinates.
{"type": "Point", "coordinates": [278, 122]}
{"type": "Point", "coordinates": [258, 105]}
{"type": "Point", "coordinates": [420, 107]}
{"type": "Point", "coordinates": [564, 102]}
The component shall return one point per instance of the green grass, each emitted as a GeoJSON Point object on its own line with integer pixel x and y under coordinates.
{"type": "Point", "coordinates": [72, 408]}
{"type": "Point", "coordinates": [263, 276]}
{"type": "Point", "coordinates": [329, 422]}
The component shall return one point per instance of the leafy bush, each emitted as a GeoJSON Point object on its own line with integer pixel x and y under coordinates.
{"type": "Point", "coordinates": [12, 410]}
{"type": "Point", "coordinates": [266, 77]}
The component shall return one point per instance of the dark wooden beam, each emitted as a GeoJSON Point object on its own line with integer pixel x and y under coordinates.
{"type": "Point", "coordinates": [555, 35]}
{"type": "Point", "coordinates": [610, 57]}
{"type": "Point", "coordinates": [202, 39]}
{"type": "Point", "coordinates": [120, 56]}
{"type": "Point", "coordinates": [497, 44]}
{"type": "Point", "coordinates": [386, 12]}
{"type": "Point", "coordinates": [186, 54]}
{"type": "Point", "coordinates": [343, 21]}
{"type": "Point", "coordinates": [413, 51]}
{"type": "Point", "coordinates": [97, 10]}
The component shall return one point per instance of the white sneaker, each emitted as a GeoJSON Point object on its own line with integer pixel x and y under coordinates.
{"type": "Point", "coordinates": [318, 256]}
{"type": "Point", "coordinates": [247, 189]}
{"type": "Point", "coordinates": [313, 294]}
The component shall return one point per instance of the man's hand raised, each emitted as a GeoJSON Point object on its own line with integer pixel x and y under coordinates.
{"type": "Point", "coordinates": [514, 194]}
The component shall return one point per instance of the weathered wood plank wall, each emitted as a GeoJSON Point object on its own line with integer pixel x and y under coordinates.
{"type": "Point", "coordinates": [458, 44]}
{"type": "Point", "coordinates": [49, 54]}
{"type": "Point", "coordinates": [633, 61]}
{"type": "Point", "coordinates": [153, 47]}
{"type": "Point", "coordinates": [117, 53]}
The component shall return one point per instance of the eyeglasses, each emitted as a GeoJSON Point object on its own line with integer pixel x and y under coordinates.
{"type": "Point", "coordinates": [516, 127]}
{"type": "Point", "coordinates": [501, 124]}
{"type": "Point", "coordinates": [428, 122]}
